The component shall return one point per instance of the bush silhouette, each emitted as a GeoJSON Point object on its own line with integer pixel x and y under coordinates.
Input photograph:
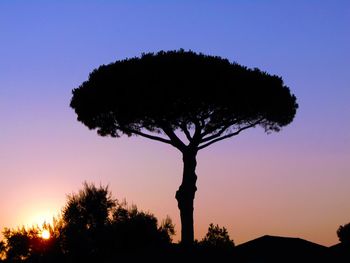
{"type": "Point", "coordinates": [217, 238]}
{"type": "Point", "coordinates": [85, 219]}
{"type": "Point", "coordinates": [2, 250]}
{"type": "Point", "coordinates": [343, 233]}
{"type": "Point", "coordinates": [18, 243]}
{"type": "Point", "coordinates": [167, 230]}
{"type": "Point", "coordinates": [26, 244]}
{"type": "Point", "coordinates": [134, 229]}
{"type": "Point", "coordinates": [95, 226]}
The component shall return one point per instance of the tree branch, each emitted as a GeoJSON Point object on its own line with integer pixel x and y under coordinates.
{"type": "Point", "coordinates": [202, 122]}
{"type": "Point", "coordinates": [216, 134]}
{"type": "Point", "coordinates": [196, 139]}
{"type": "Point", "coordinates": [152, 137]}
{"type": "Point", "coordinates": [232, 122]}
{"type": "Point", "coordinates": [187, 133]}
{"type": "Point", "coordinates": [175, 141]}
{"type": "Point", "coordinates": [230, 134]}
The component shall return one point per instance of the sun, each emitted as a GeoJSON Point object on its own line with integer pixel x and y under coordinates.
{"type": "Point", "coordinates": [45, 234]}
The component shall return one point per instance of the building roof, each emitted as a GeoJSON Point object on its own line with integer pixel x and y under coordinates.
{"type": "Point", "coordinates": [280, 249]}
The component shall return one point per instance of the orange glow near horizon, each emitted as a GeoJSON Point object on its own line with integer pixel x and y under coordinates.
{"type": "Point", "coordinates": [252, 192]}
{"type": "Point", "coordinates": [39, 219]}
{"type": "Point", "coordinates": [45, 234]}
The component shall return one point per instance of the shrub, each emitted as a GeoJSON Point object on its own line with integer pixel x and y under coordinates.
{"type": "Point", "coordinates": [217, 238]}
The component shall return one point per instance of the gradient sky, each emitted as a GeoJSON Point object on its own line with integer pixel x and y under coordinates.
{"type": "Point", "coordinates": [293, 183]}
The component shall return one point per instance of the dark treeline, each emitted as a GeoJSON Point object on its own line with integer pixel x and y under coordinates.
{"type": "Point", "coordinates": [95, 227]}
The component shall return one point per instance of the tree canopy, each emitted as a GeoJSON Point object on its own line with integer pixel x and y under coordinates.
{"type": "Point", "coordinates": [93, 227]}
{"type": "Point", "coordinates": [217, 238]}
{"type": "Point", "coordinates": [207, 98]}
{"type": "Point", "coordinates": [343, 233]}
{"type": "Point", "coordinates": [157, 94]}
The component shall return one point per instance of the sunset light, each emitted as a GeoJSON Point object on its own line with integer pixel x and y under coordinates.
{"type": "Point", "coordinates": [45, 234]}
{"type": "Point", "coordinates": [40, 219]}
{"type": "Point", "coordinates": [225, 123]}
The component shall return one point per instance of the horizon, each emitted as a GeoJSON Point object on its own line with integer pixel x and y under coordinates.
{"type": "Point", "coordinates": [292, 183]}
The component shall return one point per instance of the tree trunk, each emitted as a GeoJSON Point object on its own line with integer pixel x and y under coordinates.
{"type": "Point", "coordinates": [185, 196]}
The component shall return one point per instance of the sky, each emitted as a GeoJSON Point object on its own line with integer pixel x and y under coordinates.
{"type": "Point", "coordinates": [292, 183]}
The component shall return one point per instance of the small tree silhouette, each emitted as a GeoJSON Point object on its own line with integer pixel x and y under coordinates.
{"type": "Point", "coordinates": [95, 227]}
{"type": "Point", "coordinates": [85, 218]}
{"type": "Point", "coordinates": [206, 98]}
{"type": "Point", "coordinates": [217, 238]}
{"type": "Point", "coordinates": [2, 250]}
{"type": "Point", "coordinates": [26, 244]}
{"type": "Point", "coordinates": [134, 229]}
{"type": "Point", "coordinates": [167, 230]}
{"type": "Point", "coordinates": [90, 208]}
{"type": "Point", "coordinates": [343, 233]}
{"type": "Point", "coordinates": [17, 244]}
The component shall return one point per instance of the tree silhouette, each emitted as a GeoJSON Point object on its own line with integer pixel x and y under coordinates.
{"type": "Point", "coordinates": [90, 208]}
{"type": "Point", "coordinates": [343, 233]}
{"type": "Point", "coordinates": [96, 227]}
{"type": "Point", "coordinates": [217, 238]}
{"type": "Point", "coordinates": [138, 230]}
{"type": "Point", "coordinates": [167, 230]}
{"type": "Point", "coordinates": [85, 219]}
{"type": "Point", "coordinates": [26, 244]}
{"type": "Point", "coordinates": [18, 244]}
{"type": "Point", "coordinates": [183, 99]}
{"type": "Point", "coordinates": [2, 250]}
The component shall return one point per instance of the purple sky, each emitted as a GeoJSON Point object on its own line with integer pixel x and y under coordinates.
{"type": "Point", "coordinates": [293, 183]}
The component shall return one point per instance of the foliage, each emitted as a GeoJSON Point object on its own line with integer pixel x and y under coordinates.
{"type": "Point", "coordinates": [167, 230]}
{"type": "Point", "coordinates": [93, 227]}
{"type": "Point", "coordinates": [158, 96]}
{"type": "Point", "coordinates": [20, 242]}
{"type": "Point", "coordinates": [90, 208]}
{"type": "Point", "coordinates": [27, 244]}
{"type": "Point", "coordinates": [84, 219]}
{"type": "Point", "coordinates": [180, 90]}
{"type": "Point", "coordinates": [142, 227]}
{"type": "Point", "coordinates": [217, 238]}
{"type": "Point", "coordinates": [2, 249]}
{"type": "Point", "coordinates": [343, 233]}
